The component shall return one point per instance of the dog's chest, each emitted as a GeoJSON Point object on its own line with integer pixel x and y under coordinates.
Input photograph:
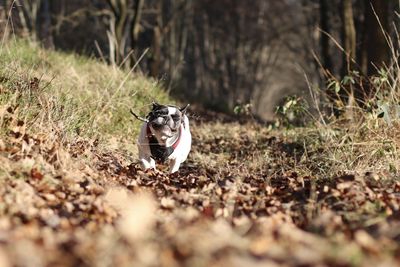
{"type": "Point", "coordinates": [158, 152]}
{"type": "Point", "coordinates": [161, 153]}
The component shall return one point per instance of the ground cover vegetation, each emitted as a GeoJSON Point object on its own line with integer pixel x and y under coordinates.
{"type": "Point", "coordinates": [72, 193]}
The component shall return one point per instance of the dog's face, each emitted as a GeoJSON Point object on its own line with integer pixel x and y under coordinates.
{"type": "Point", "coordinates": [165, 120]}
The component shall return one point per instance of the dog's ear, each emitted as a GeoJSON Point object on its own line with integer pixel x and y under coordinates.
{"type": "Point", "coordinates": [155, 105]}
{"type": "Point", "coordinates": [183, 110]}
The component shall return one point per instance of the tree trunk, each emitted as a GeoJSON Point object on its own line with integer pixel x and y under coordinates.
{"type": "Point", "coordinates": [137, 13]}
{"type": "Point", "coordinates": [4, 27]}
{"type": "Point", "coordinates": [28, 12]}
{"type": "Point", "coordinates": [156, 53]}
{"type": "Point", "coordinates": [349, 37]}
{"type": "Point", "coordinates": [155, 60]}
{"type": "Point", "coordinates": [117, 34]}
{"type": "Point", "coordinates": [349, 45]}
{"type": "Point", "coordinates": [324, 41]}
{"type": "Point", "coordinates": [45, 24]}
{"type": "Point", "coordinates": [377, 50]}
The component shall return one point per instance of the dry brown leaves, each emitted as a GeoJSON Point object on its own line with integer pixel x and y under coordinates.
{"type": "Point", "coordinates": [70, 204]}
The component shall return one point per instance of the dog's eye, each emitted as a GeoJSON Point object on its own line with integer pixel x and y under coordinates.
{"type": "Point", "coordinates": [175, 117]}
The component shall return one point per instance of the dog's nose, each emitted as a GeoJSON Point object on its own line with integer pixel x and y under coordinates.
{"type": "Point", "coordinates": [166, 120]}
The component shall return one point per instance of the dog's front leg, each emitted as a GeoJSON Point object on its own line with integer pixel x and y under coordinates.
{"type": "Point", "coordinates": [174, 165]}
{"type": "Point", "coordinates": [148, 163]}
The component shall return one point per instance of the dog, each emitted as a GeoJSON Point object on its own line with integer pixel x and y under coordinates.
{"type": "Point", "coordinates": [164, 136]}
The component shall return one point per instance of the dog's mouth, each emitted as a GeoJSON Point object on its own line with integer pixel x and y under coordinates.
{"type": "Point", "coordinates": [169, 132]}
{"type": "Point", "coordinates": [165, 136]}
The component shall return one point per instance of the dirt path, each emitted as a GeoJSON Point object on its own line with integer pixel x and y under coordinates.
{"type": "Point", "coordinates": [238, 201]}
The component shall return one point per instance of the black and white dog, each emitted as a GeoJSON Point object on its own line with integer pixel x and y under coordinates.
{"type": "Point", "coordinates": [165, 135]}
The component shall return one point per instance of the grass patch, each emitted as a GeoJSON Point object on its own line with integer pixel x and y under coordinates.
{"type": "Point", "coordinates": [331, 150]}
{"type": "Point", "coordinates": [70, 94]}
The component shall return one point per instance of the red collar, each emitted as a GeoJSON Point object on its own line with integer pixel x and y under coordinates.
{"type": "Point", "coordinates": [174, 145]}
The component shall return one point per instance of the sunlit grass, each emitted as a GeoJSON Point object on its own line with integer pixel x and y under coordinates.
{"type": "Point", "coordinates": [75, 95]}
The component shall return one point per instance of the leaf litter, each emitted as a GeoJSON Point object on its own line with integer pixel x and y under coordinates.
{"type": "Point", "coordinates": [239, 201]}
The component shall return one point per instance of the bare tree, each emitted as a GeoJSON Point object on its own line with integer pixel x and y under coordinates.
{"type": "Point", "coordinates": [28, 12]}
{"type": "Point", "coordinates": [349, 36]}
{"type": "Point", "coordinates": [5, 6]}
{"type": "Point", "coordinates": [123, 22]}
{"type": "Point", "coordinates": [325, 9]}
{"type": "Point", "coordinates": [45, 25]}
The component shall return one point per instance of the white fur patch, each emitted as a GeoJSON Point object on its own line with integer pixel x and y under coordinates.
{"type": "Point", "coordinates": [171, 110]}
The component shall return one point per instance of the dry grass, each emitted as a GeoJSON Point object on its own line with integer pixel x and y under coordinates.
{"type": "Point", "coordinates": [72, 95]}
{"type": "Point", "coordinates": [369, 146]}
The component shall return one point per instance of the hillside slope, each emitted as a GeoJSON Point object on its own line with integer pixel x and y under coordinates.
{"type": "Point", "coordinates": [77, 95]}
{"type": "Point", "coordinates": [72, 194]}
